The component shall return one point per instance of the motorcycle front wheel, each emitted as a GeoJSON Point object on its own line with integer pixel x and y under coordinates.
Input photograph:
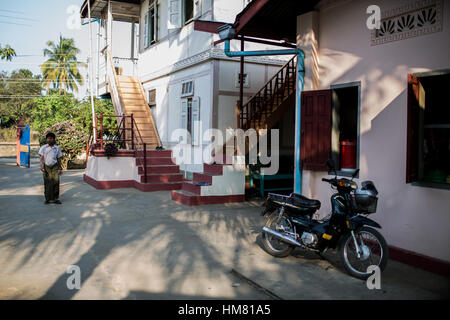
{"type": "Point", "coordinates": [374, 252]}
{"type": "Point", "coordinates": [273, 245]}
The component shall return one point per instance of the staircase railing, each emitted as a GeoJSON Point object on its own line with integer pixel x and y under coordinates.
{"type": "Point", "coordinates": [113, 84]}
{"type": "Point", "coordinates": [272, 94]}
{"type": "Point", "coordinates": [125, 134]}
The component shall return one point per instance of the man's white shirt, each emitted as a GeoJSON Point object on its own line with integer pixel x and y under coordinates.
{"type": "Point", "coordinates": [51, 154]}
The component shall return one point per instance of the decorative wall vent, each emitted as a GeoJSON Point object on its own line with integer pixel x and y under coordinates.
{"type": "Point", "coordinates": [416, 19]}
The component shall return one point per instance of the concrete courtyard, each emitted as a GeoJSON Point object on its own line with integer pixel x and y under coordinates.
{"type": "Point", "coordinates": [136, 245]}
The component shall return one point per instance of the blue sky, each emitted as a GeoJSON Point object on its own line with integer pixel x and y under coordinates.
{"type": "Point", "coordinates": [27, 25]}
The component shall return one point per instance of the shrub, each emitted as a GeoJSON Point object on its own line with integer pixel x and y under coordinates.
{"type": "Point", "coordinates": [71, 140]}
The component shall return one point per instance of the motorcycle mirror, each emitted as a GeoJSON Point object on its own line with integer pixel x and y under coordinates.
{"type": "Point", "coordinates": [331, 165]}
{"type": "Point", "coordinates": [355, 174]}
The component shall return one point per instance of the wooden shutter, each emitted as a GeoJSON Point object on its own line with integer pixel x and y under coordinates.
{"type": "Point", "coordinates": [416, 103]}
{"type": "Point", "coordinates": [315, 130]}
{"type": "Point", "coordinates": [174, 20]}
{"type": "Point", "coordinates": [184, 121]}
{"type": "Point", "coordinates": [195, 121]}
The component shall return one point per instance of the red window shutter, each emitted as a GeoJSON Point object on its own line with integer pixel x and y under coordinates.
{"type": "Point", "coordinates": [412, 148]}
{"type": "Point", "coordinates": [315, 130]}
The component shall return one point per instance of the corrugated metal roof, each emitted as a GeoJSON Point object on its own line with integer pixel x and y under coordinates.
{"type": "Point", "coordinates": [123, 10]}
{"type": "Point", "coordinates": [272, 19]}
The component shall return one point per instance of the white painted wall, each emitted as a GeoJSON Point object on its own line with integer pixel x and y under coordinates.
{"type": "Point", "coordinates": [414, 218]}
{"type": "Point", "coordinates": [112, 169]}
{"type": "Point", "coordinates": [231, 182]}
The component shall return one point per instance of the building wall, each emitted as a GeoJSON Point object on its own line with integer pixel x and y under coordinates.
{"type": "Point", "coordinates": [413, 218]}
{"type": "Point", "coordinates": [184, 54]}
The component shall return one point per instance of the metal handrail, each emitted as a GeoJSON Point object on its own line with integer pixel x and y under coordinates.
{"type": "Point", "coordinates": [253, 106]}
{"type": "Point", "coordinates": [136, 139]}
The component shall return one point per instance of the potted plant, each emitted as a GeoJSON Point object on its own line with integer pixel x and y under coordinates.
{"type": "Point", "coordinates": [110, 150]}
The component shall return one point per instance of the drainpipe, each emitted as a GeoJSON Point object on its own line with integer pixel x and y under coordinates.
{"type": "Point", "coordinates": [227, 33]}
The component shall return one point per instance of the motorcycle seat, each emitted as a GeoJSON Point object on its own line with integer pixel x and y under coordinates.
{"type": "Point", "coordinates": [304, 202]}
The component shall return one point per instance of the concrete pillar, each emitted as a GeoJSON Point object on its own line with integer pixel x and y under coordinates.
{"type": "Point", "coordinates": [308, 41]}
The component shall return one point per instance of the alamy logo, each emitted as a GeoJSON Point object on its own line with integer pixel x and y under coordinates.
{"type": "Point", "coordinates": [374, 281]}
{"type": "Point", "coordinates": [197, 148]}
{"type": "Point", "coordinates": [73, 281]}
{"type": "Point", "coordinates": [374, 20]}
{"type": "Point", "coordinates": [74, 20]}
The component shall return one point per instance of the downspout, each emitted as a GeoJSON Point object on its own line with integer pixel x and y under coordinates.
{"type": "Point", "coordinates": [227, 33]}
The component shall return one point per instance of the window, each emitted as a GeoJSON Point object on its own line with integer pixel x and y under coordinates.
{"type": "Point", "coordinates": [188, 10]}
{"type": "Point", "coordinates": [329, 128]}
{"type": "Point", "coordinates": [151, 24]}
{"type": "Point", "coordinates": [190, 118]}
{"type": "Point", "coordinates": [152, 98]}
{"type": "Point", "coordinates": [187, 89]}
{"type": "Point", "coordinates": [428, 136]}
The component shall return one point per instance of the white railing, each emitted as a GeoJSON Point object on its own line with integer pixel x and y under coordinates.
{"type": "Point", "coordinates": [125, 66]}
{"type": "Point", "coordinates": [113, 85]}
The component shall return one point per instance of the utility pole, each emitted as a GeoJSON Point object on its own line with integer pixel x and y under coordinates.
{"type": "Point", "coordinates": [90, 73]}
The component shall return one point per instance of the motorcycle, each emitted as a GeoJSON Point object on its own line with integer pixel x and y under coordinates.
{"type": "Point", "coordinates": [291, 224]}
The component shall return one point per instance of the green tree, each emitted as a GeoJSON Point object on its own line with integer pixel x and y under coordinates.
{"type": "Point", "coordinates": [17, 93]}
{"type": "Point", "coordinates": [55, 108]}
{"type": "Point", "coordinates": [61, 68]}
{"type": "Point", "coordinates": [69, 138]}
{"type": "Point", "coordinates": [7, 53]}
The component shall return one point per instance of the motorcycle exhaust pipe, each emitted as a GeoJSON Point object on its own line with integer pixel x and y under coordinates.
{"type": "Point", "coordinates": [283, 237]}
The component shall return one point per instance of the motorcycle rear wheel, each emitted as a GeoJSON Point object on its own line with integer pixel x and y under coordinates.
{"type": "Point", "coordinates": [272, 245]}
{"type": "Point", "coordinates": [375, 253]}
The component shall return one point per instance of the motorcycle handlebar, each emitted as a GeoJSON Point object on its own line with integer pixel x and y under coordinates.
{"type": "Point", "coordinates": [326, 180]}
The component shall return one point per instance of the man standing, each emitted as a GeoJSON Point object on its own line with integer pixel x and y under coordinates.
{"type": "Point", "coordinates": [50, 155]}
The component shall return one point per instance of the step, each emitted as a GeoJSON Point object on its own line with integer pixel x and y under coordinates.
{"type": "Point", "coordinates": [149, 187]}
{"type": "Point", "coordinates": [156, 161]}
{"type": "Point", "coordinates": [213, 169]}
{"type": "Point", "coordinates": [163, 178]}
{"type": "Point", "coordinates": [128, 84]}
{"type": "Point", "coordinates": [155, 153]}
{"type": "Point", "coordinates": [191, 199]}
{"type": "Point", "coordinates": [130, 108]}
{"type": "Point", "coordinates": [142, 120]}
{"type": "Point", "coordinates": [191, 187]}
{"type": "Point", "coordinates": [159, 169]}
{"type": "Point", "coordinates": [202, 177]}
{"type": "Point", "coordinates": [128, 90]}
{"type": "Point", "coordinates": [137, 100]}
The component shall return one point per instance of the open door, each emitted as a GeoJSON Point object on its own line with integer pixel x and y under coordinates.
{"type": "Point", "coordinates": [315, 130]}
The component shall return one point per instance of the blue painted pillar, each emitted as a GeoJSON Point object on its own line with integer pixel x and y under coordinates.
{"type": "Point", "coordinates": [298, 119]}
{"type": "Point", "coordinates": [298, 105]}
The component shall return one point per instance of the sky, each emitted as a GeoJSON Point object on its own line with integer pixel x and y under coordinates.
{"type": "Point", "coordinates": [27, 25]}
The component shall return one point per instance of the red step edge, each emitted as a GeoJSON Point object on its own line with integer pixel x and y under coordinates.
{"type": "Point", "coordinates": [197, 200]}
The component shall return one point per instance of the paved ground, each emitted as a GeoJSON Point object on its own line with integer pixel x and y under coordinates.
{"type": "Point", "coordinates": [135, 245]}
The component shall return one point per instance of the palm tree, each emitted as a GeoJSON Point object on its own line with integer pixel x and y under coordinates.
{"type": "Point", "coordinates": [7, 53]}
{"type": "Point", "coordinates": [61, 69]}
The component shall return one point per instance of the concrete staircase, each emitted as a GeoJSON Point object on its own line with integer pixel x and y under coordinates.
{"type": "Point", "coordinates": [162, 172]}
{"type": "Point", "coordinates": [219, 183]}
